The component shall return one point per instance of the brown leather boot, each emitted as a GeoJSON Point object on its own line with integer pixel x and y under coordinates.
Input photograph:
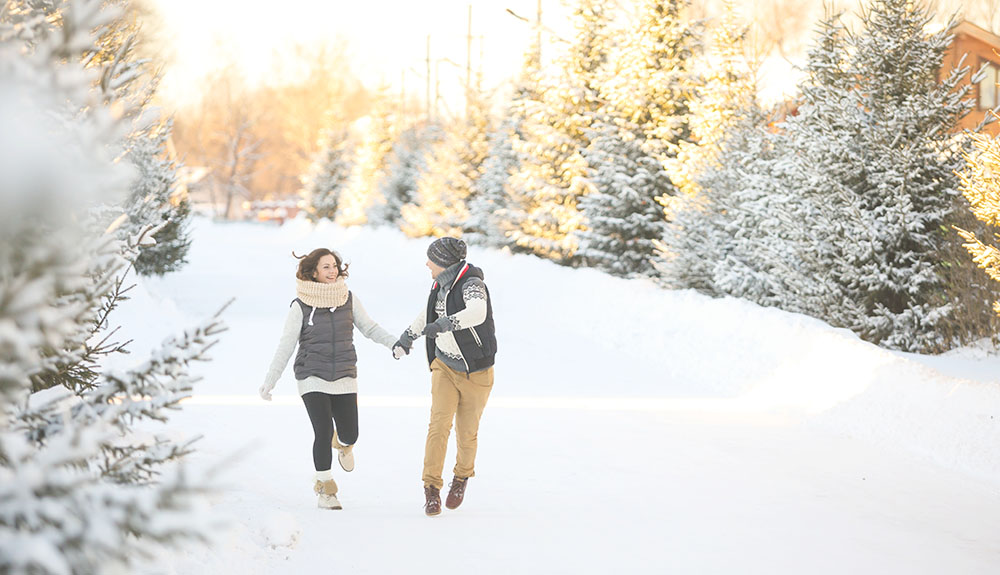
{"type": "Point", "coordinates": [433, 504]}
{"type": "Point", "coordinates": [456, 492]}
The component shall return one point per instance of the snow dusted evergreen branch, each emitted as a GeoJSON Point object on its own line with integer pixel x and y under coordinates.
{"type": "Point", "coordinates": [160, 383]}
{"type": "Point", "coordinates": [141, 462]}
{"type": "Point", "coordinates": [80, 500]}
{"type": "Point", "coordinates": [147, 392]}
{"type": "Point", "coordinates": [74, 364]}
{"type": "Point", "coordinates": [70, 363]}
{"type": "Point", "coordinates": [114, 270]}
{"type": "Point", "coordinates": [24, 21]}
{"type": "Point", "coordinates": [76, 490]}
{"type": "Point", "coordinates": [65, 506]}
{"type": "Point", "coordinates": [59, 515]}
{"type": "Point", "coordinates": [121, 73]}
{"type": "Point", "coordinates": [155, 200]}
{"type": "Point", "coordinates": [77, 282]}
{"type": "Point", "coordinates": [144, 392]}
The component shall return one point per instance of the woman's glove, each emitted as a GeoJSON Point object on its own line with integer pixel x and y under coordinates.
{"type": "Point", "coordinates": [265, 391]}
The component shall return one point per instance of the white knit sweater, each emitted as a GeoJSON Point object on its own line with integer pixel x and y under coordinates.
{"type": "Point", "coordinates": [290, 338]}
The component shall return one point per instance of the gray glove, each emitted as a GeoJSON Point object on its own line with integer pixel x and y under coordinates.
{"type": "Point", "coordinates": [435, 328]}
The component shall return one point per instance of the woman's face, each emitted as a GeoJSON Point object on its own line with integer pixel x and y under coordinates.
{"type": "Point", "coordinates": [326, 270]}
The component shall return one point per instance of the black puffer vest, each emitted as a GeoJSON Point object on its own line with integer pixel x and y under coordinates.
{"type": "Point", "coordinates": [326, 344]}
{"type": "Point", "coordinates": [478, 344]}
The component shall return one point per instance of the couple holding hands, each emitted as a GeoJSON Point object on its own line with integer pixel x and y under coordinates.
{"type": "Point", "coordinates": [461, 344]}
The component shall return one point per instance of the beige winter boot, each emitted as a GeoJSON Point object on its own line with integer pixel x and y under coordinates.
{"type": "Point", "coordinates": [345, 454]}
{"type": "Point", "coordinates": [327, 491]}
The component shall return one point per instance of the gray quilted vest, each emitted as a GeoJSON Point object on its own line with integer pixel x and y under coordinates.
{"type": "Point", "coordinates": [326, 342]}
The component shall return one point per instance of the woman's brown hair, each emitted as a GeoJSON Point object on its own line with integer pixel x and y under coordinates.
{"type": "Point", "coordinates": [308, 264]}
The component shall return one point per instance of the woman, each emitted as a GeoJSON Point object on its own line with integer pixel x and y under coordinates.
{"type": "Point", "coordinates": [321, 321]}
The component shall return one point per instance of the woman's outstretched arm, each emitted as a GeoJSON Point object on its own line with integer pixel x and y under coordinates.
{"type": "Point", "coordinates": [369, 327]}
{"type": "Point", "coordinates": [286, 345]}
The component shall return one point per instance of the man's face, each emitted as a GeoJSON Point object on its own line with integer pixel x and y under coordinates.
{"type": "Point", "coordinates": [435, 269]}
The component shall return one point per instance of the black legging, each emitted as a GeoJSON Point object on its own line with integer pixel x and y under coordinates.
{"type": "Point", "coordinates": [325, 411]}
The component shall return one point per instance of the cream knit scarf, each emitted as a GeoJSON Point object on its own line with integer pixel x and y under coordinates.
{"type": "Point", "coordinates": [318, 294]}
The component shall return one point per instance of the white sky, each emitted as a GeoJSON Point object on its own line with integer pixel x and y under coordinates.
{"type": "Point", "coordinates": [385, 37]}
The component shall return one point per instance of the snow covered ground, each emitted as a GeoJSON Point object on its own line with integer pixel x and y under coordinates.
{"type": "Point", "coordinates": [631, 429]}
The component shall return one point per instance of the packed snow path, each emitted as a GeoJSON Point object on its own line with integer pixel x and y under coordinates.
{"type": "Point", "coordinates": [630, 430]}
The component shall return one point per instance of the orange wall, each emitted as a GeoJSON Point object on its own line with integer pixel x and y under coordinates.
{"type": "Point", "coordinates": [978, 51]}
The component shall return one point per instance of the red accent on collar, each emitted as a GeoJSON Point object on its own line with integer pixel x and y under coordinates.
{"type": "Point", "coordinates": [460, 274]}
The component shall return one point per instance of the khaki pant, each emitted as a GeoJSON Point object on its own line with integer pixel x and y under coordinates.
{"type": "Point", "coordinates": [454, 395]}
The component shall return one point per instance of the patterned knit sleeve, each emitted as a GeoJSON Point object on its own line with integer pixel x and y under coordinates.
{"type": "Point", "coordinates": [413, 332]}
{"type": "Point", "coordinates": [367, 326]}
{"type": "Point", "coordinates": [286, 345]}
{"type": "Point", "coordinates": [474, 295]}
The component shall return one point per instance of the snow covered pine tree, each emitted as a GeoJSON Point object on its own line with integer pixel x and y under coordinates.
{"type": "Point", "coordinates": [408, 160]}
{"type": "Point", "coordinates": [80, 491]}
{"type": "Point", "coordinates": [623, 213]}
{"type": "Point", "coordinates": [454, 165]}
{"type": "Point", "coordinates": [553, 136]}
{"type": "Point", "coordinates": [490, 204]}
{"type": "Point", "coordinates": [875, 141]}
{"type": "Point", "coordinates": [499, 206]}
{"type": "Point", "coordinates": [329, 176]}
{"type": "Point", "coordinates": [635, 135]}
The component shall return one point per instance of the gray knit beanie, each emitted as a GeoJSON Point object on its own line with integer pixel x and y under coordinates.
{"type": "Point", "coordinates": [446, 252]}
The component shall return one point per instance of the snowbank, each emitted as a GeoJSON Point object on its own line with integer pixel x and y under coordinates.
{"type": "Point", "coordinates": [573, 336]}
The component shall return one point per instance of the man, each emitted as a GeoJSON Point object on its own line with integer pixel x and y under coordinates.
{"type": "Point", "coordinates": [461, 344]}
